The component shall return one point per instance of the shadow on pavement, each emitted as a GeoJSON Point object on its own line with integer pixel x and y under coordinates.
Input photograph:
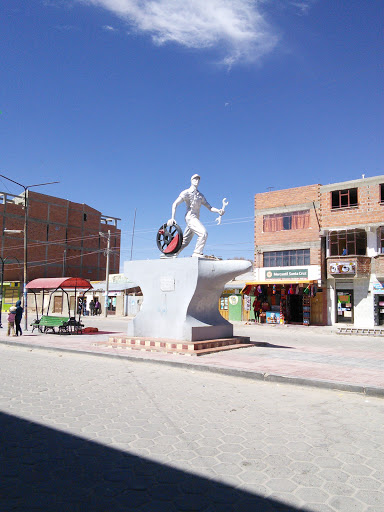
{"type": "Point", "coordinates": [269, 345]}
{"type": "Point", "coordinates": [43, 469]}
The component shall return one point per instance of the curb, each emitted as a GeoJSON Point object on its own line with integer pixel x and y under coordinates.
{"type": "Point", "coordinates": [373, 391]}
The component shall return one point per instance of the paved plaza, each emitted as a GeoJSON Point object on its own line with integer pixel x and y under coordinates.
{"type": "Point", "coordinates": [85, 433]}
{"type": "Point", "coordinates": [312, 356]}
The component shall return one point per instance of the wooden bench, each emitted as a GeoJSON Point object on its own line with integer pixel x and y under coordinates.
{"type": "Point", "coordinates": [49, 323]}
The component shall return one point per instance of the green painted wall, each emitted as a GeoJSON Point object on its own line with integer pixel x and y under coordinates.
{"type": "Point", "coordinates": [234, 310]}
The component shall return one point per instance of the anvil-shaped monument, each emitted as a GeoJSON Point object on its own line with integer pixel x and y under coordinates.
{"type": "Point", "coordinates": [181, 297]}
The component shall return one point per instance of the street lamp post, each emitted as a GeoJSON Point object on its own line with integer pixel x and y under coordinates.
{"type": "Point", "coordinates": [25, 277]}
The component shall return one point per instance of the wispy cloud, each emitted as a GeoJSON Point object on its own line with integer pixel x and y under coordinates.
{"type": "Point", "coordinates": [67, 28]}
{"type": "Point", "coordinates": [303, 6]}
{"type": "Point", "coordinates": [237, 27]}
{"type": "Point", "coordinates": [109, 28]}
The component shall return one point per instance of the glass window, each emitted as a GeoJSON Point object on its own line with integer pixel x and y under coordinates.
{"type": "Point", "coordinates": [382, 193]}
{"type": "Point", "coordinates": [344, 198]}
{"type": "Point", "coordinates": [345, 243]}
{"type": "Point", "coordinates": [286, 258]}
{"type": "Point", "coordinates": [286, 221]}
{"type": "Point", "coordinates": [381, 240]}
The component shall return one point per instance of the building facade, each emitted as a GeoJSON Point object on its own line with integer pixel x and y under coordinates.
{"type": "Point", "coordinates": [352, 223]}
{"type": "Point", "coordinates": [319, 254]}
{"type": "Point", "coordinates": [63, 238]}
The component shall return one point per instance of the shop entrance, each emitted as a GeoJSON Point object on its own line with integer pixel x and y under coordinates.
{"type": "Point", "coordinates": [295, 308]}
{"type": "Point", "coordinates": [380, 309]}
{"type": "Point", "coordinates": [317, 309]}
{"type": "Point", "coordinates": [344, 306]}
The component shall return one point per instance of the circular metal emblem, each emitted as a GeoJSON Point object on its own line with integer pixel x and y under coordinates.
{"type": "Point", "coordinates": [169, 239]}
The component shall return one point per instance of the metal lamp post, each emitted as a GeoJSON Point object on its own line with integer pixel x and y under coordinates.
{"type": "Point", "coordinates": [25, 277]}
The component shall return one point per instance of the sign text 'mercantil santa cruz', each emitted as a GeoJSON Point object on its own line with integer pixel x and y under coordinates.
{"type": "Point", "coordinates": [293, 273]}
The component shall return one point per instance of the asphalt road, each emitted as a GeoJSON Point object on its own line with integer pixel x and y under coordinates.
{"type": "Point", "coordinates": [99, 434]}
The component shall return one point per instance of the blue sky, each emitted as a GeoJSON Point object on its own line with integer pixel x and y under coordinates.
{"type": "Point", "coordinates": [123, 100]}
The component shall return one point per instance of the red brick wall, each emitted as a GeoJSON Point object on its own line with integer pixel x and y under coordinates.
{"type": "Point", "coordinates": [369, 210]}
{"type": "Point", "coordinates": [378, 265]}
{"type": "Point", "coordinates": [291, 198]}
{"type": "Point", "coordinates": [67, 230]}
{"type": "Point", "coordinates": [287, 197]}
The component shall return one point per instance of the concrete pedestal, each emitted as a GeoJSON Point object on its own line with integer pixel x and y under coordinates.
{"type": "Point", "coordinates": [181, 297]}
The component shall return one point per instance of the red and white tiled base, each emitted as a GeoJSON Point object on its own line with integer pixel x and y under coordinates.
{"type": "Point", "coordinates": [188, 348]}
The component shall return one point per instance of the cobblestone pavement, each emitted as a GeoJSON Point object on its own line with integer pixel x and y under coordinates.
{"type": "Point", "coordinates": [81, 433]}
{"type": "Point", "coordinates": [315, 356]}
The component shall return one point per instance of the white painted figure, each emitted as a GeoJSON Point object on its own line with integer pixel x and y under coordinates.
{"type": "Point", "coordinates": [194, 199]}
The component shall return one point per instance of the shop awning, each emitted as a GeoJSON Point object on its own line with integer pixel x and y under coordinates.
{"type": "Point", "coordinates": [53, 283]}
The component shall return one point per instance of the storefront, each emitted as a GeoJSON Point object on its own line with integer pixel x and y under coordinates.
{"type": "Point", "coordinates": [378, 294]}
{"type": "Point", "coordinates": [286, 295]}
{"type": "Point", "coordinates": [231, 305]}
{"type": "Point", "coordinates": [124, 296]}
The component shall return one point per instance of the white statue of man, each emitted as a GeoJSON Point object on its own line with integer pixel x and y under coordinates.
{"type": "Point", "coordinates": [193, 199]}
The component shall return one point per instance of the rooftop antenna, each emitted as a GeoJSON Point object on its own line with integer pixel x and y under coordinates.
{"type": "Point", "coordinates": [270, 188]}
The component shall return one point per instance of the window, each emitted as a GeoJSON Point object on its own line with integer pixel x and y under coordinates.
{"type": "Point", "coordinates": [381, 240]}
{"type": "Point", "coordinates": [85, 216]}
{"type": "Point", "coordinates": [285, 221]}
{"type": "Point", "coordinates": [346, 243]}
{"type": "Point", "coordinates": [286, 258]}
{"type": "Point", "coordinates": [344, 198]}
{"type": "Point", "coordinates": [382, 193]}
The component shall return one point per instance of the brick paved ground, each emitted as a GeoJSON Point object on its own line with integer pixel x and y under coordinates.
{"type": "Point", "coordinates": [316, 356]}
{"type": "Point", "coordinates": [101, 434]}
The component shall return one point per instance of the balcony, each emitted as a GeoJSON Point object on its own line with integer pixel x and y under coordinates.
{"type": "Point", "coordinates": [348, 266]}
{"type": "Point", "coordinates": [378, 266]}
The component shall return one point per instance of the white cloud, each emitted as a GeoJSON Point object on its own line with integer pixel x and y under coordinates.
{"type": "Point", "coordinates": [303, 6]}
{"type": "Point", "coordinates": [109, 28]}
{"type": "Point", "coordinates": [237, 27]}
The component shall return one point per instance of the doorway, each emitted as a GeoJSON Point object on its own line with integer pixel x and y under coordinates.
{"type": "Point", "coordinates": [344, 306]}
{"type": "Point", "coordinates": [295, 308]}
{"type": "Point", "coordinates": [57, 304]}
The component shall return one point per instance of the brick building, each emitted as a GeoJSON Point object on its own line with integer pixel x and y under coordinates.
{"type": "Point", "coordinates": [352, 222]}
{"type": "Point", "coordinates": [319, 253]}
{"type": "Point", "coordinates": [63, 238]}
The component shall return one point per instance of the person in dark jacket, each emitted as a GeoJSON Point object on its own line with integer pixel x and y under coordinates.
{"type": "Point", "coordinates": [18, 317]}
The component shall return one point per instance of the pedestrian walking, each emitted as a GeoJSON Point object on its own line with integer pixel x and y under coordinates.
{"type": "Point", "coordinates": [11, 321]}
{"type": "Point", "coordinates": [18, 317]}
{"type": "Point", "coordinates": [97, 308]}
{"type": "Point", "coordinates": [256, 308]}
{"type": "Point", "coordinates": [92, 307]}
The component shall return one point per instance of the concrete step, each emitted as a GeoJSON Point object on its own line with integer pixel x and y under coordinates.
{"type": "Point", "coordinates": [191, 348]}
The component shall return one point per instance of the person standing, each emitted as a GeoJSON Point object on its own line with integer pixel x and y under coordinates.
{"type": "Point", "coordinates": [11, 321]}
{"type": "Point", "coordinates": [18, 317]}
{"type": "Point", "coordinates": [97, 308]}
{"type": "Point", "coordinates": [92, 307]}
{"type": "Point", "coordinates": [256, 308]}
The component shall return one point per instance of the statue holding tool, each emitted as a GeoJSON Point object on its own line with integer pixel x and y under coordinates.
{"type": "Point", "coordinates": [170, 240]}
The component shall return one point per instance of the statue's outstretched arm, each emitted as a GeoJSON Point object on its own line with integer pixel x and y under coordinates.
{"type": "Point", "coordinates": [172, 220]}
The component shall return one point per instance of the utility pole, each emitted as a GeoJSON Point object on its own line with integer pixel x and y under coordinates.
{"type": "Point", "coordinates": [133, 233]}
{"type": "Point", "coordinates": [64, 261]}
{"type": "Point", "coordinates": [106, 252]}
{"type": "Point", "coordinates": [25, 278]}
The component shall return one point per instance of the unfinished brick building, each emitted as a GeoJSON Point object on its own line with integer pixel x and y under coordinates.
{"type": "Point", "coordinates": [63, 238]}
{"type": "Point", "coordinates": [319, 253]}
